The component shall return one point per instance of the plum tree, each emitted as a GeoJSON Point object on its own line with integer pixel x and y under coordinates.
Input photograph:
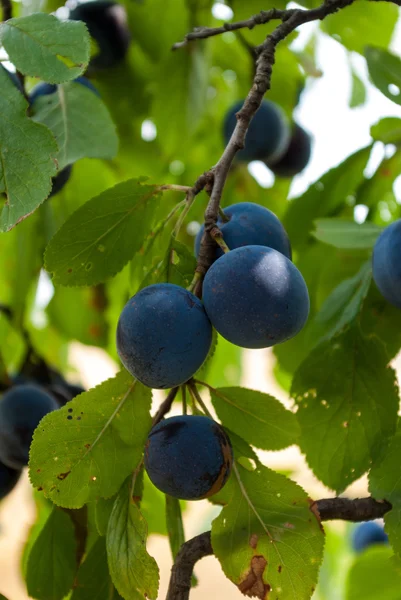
{"type": "Point", "coordinates": [387, 264]}
{"type": "Point", "coordinates": [250, 225]}
{"type": "Point", "coordinates": [255, 297]}
{"type": "Point", "coordinates": [368, 533]}
{"type": "Point", "coordinates": [188, 457]}
{"type": "Point", "coordinates": [8, 479]}
{"type": "Point", "coordinates": [297, 155]}
{"type": "Point", "coordinates": [268, 135]}
{"type": "Point", "coordinates": [163, 335]}
{"type": "Point", "coordinates": [21, 409]}
{"type": "Point", "coordinates": [107, 24]}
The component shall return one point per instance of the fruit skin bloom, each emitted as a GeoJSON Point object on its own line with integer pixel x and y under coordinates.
{"type": "Point", "coordinates": [188, 457]}
{"type": "Point", "coordinates": [163, 335]}
{"type": "Point", "coordinates": [255, 297]}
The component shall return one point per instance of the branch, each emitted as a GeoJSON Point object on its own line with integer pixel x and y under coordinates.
{"type": "Point", "coordinates": [360, 509]}
{"type": "Point", "coordinates": [291, 19]}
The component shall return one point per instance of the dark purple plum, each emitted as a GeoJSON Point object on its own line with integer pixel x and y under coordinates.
{"type": "Point", "coordinates": [297, 155]}
{"type": "Point", "coordinates": [387, 263]}
{"type": "Point", "coordinates": [250, 225]}
{"type": "Point", "coordinates": [268, 134]}
{"type": "Point", "coordinates": [255, 297]}
{"type": "Point", "coordinates": [367, 534]}
{"type": "Point", "coordinates": [8, 479]}
{"type": "Point", "coordinates": [163, 335]}
{"type": "Point", "coordinates": [188, 457]}
{"type": "Point", "coordinates": [107, 24]}
{"type": "Point", "coordinates": [21, 409]}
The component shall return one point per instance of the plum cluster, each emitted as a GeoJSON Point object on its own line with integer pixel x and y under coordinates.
{"type": "Point", "coordinates": [254, 296]}
{"type": "Point", "coordinates": [285, 148]}
{"type": "Point", "coordinates": [22, 407]}
{"type": "Point", "coordinates": [387, 263]}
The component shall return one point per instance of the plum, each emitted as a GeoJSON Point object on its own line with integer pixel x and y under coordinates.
{"type": "Point", "coordinates": [21, 409]}
{"type": "Point", "coordinates": [188, 457]}
{"type": "Point", "coordinates": [8, 479]}
{"type": "Point", "coordinates": [250, 225]}
{"type": "Point", "coordinates": [255, 297]}
{"type": "Point", "coordinates": [268, 134]}
{"type": "Point", "coordinates": [368, 533]}
{"type": "Point", "coordinates": [107, 24]}
{"type": "Point", "coordinates": [387, 263]}
{"type": "Point", "coordinates": [297, 155]}
{"type": "Point", "coordinates": [163, 335]}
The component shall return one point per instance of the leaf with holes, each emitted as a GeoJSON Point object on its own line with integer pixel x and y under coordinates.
{"type": "Point", "coordinates": [133, 571]}
{"type": "Point", "coordinates": [347, 400]}
{"type": "Point", "coordinates": [385, 72]}
{"type": "Point", "coordinates": [346, 234]}
{"type": "Point", "coordinates": [86, 449]}
{"type": "Point", "coordinates": [27, 153]}
{"type": "Point", "coordinates": [258, 418]}
{"type": "Point", "coordinates": [267, 538]}
{"type": "Point", "coordinates": [55, 546]}
{"type": "Point", "coordinates": [385, 484]}
{"type": "Point", "coordinates": [80, 122]}
{"type": "Point", "coordinates": [98, 239]}
{"type": "Point", "coordinates": [41, 46]}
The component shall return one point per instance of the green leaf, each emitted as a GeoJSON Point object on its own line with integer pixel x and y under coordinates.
{"type": "Point", "coordinates": [93, 580]}
{"type": "Point", "coordinates": [41, 46]}
{"type": "Point", "coordinates": [2, 597]}
{"type": "Point", "coordinates": [385, 72]}
{"type": "Point", "coordinates": [373, 575]}
{"type": "Point", "coordinates": [383, 320]}
{"type": "Point", "coordinates": [178, 266]}
{"type": "Point", "coordinates": [358, 93]}
{"type": "Point", "coordinates": [88, 324]}
{"type": "Point", "coordinates": [385, 484]}
{"type": "Point", "coordinates": [324, 197]}
{"type": "Point", "coordinates": [97, 240]}
{"type": "Point", "coordinates": [347, 406]}
{"type": "Point", "coordinates": [343, 305]}
{"type": "Point", "coordinates": [387, 130]}
{"type": "Point", "coordinates": [86, 449]}
{"type": "Point", "coordinates": [267, 538]}
{"type": "Point", "coordinates": [27, 152]}
{"type": "Point", "coordinates": [380, 186]}
{"type": "Point", "coordinates": [79, 121]}
{"type": "Point", "coordinates": [175, 526]}
{"type": "Point", "coordinates": [356, 26]}
{"type": "Point", "coordinates": [51, 563]}
{"type": "Point", "coordinates": [258, 418]}
{"type": "Point", "coordinates": [346, 234]}
{"type": "Point", "coordinates": [133, 571]}
{"type": "Point", "coordinates": [103, 509]}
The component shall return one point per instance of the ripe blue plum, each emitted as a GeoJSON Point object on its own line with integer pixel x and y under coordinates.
{"type": "Point", "coordinates": [107, 24]}
{"type": "Point", "coordinates": [60, 180]}
{"type": "Point", "coordinates": [45, 89]}
{"type": "Point", "coordinates": [21, 409]}
{"type": "Point", "coordinates": [250, 225]}
{"type": "Point", "coordinates": [387, 263]}
{"type": "Point", "coordinates": [297, 155]}
{"type": "Point", "coordinates": [255, 297]}
{"type": "Point", "coordinates": [188, 457]}
{"type": "Point", "coordinates": [268, 134]}
{"type": "Point", "coordinates": [368, 533]}
{"type": "Point", "coordinates": [163, 335]}
{"type": "Point", "coordinates": [8, 479]}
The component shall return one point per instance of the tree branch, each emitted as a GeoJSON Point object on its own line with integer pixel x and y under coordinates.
{"type": "Point", "coordinates": [291, 19]}
{"type": "Point", "coordinates": [360, 509]}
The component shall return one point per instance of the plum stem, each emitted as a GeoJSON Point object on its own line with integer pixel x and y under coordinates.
{"type": "Point", "coordinates": [217, 235]}
{"type": "Point", "coordinates": [223, 215]}
{"type": "Point", "coordinates": [196, 395]}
